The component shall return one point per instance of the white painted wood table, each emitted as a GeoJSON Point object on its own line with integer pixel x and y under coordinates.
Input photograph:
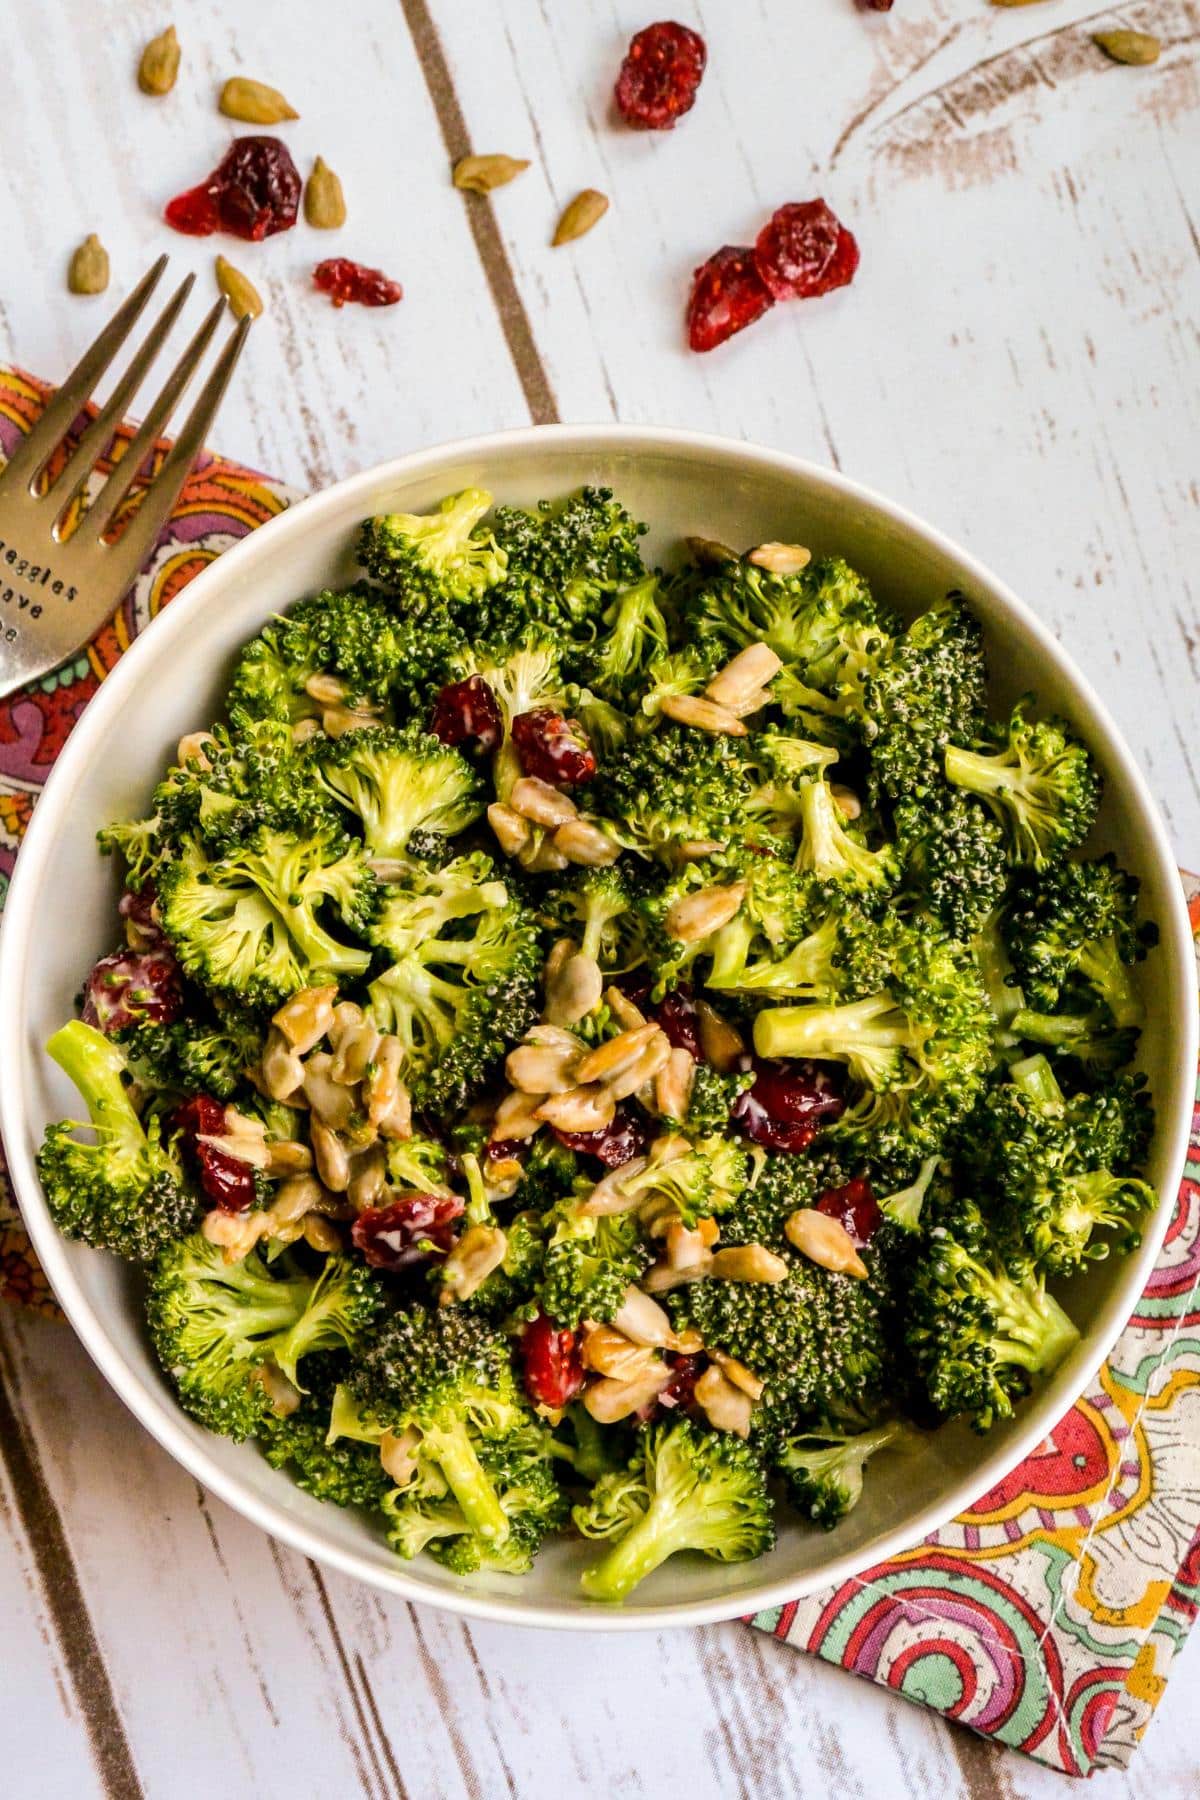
{"type": "Point", "coordinates": [1016, 361]}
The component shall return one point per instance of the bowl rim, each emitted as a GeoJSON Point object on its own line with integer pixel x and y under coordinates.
{"type": "Point", "coordinates": [155, 1408]}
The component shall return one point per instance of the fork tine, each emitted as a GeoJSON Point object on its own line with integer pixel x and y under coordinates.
{"type": "Point", "coordinates": [34, 451]}
{"type": "Point", "coordinates": [95, 439]}
{"type": "Point", "coordinates": [102, 511]}
{"type": "Point", "coordinates": [136, 541]}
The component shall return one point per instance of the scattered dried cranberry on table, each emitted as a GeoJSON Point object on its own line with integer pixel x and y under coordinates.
{"type": "Point", "coordinates": [409, 1231]}
{"type": "Point", "coordinates": [854, 1207]}
{"type": "Point", "coordinates": [465, 713]}
{"type": "Point", "coordinates": [660, 76]}
{"type": "Point", "coordinates": [728, 293]}
{"type": "Point", "coordinates": [132, 987]}
{"type": "Point", "coordinates": [552, 1363]}
{"type": "Point", "coordinates": [804, 251]}
{"type": "Point", "coordinates": [253, 192]}
{"type": "Point", "coordinates": [553, 748]}
{"type": "Point", "coordinates": [344, 281]}
{"type": "Point", "coordinates": [224, 1179]}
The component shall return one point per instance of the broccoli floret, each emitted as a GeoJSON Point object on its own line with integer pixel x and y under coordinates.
{"type": "Point", "coordinates": [1073, 935]}
{"type": "Point", "coordinates": [589, 1264]}
{"type": "Point", "coordinates": [824, 1469]}
{"type": "Point", "coordinates": [954, 859]}
{"type": "Point", "coordinates": [712, 1099]}
{"type": "Point", "coordinates": [141, 846]}
{"type": "Point", "coordinates": [448, 1376]}
{"type": "Point", "coordinates": [779, 1185]}
{"type": "Point", "coordinates": [816, 1339]}
{"type": "Point", "coordinates": [397, 783]}
{"type": "Point", "coordinates": [913, 1026]}
{"type": "Point", "coordinates": [598, 908]}
{"type": "Point", "coordinates": [819, 622]}
{"type": "Point", "coordinates": [353, 637]}
{"type": "Point", "coordinates": [548, 1174]}
{"type": "Point", "coordinates": [197, 1051]}
{"type": "Point", "coordinates": [978, 1333]}
{"type": "Point", "coordinates": [427, 1516]}
{"type": "Point", "coordinates": [438, 563]}
{"type": "Point", "coordinates": [235, 786]}
{"type": "Point", "coordinates": [522, 672]}
{"type": "Point", "coordinates": [461, 984]}
{"type": "Point", "coordinates": [778, 764]}
{"type": "Point", "coordinates": [685, 1489]}
{"type": "Point", "coordinates": [905, 1206]}
{"type": "Point", "coordinates": [565, 562]}
{"type": "Point", "coordinates": [671, 787]}
{"type": "Point", "coordinates": [221, 1329]}
{"type": "Point", "coordinates": [125, 1191]}
{"type": "Point", "coordinates": [1060, 1171]}
{"type": "Point", "coordinates": [1087, 1044]}
{"type": "Point", "coordinates": [347, 1472]}
{"type": "Point", "coordinates": [1038, 780]}
{"type": "Point", "coordinates": [775, 909]}
{"type": "Point", "coordinates": [633, 635]}
{"type": "Point", "coordinates": [703, 1181]}
{"type": "Point", "coordinates": [247, 924]}
{"type": "Point", "coordinates": [927, 690]}
{"type": "Point", "coordinates": [829, 851]}
{"type": "Point", "coordinates": [419, 1164]}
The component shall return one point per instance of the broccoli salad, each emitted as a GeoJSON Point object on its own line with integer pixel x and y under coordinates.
{"type": "Point", "coordinates": [607, 1051]}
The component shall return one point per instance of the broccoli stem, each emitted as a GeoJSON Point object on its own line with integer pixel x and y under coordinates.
{"type": "Point", "coordinates": [663, 1529]}
{"type": "Point", "coordinates": [96, 1066]}
{"type": "Point", "coordinates": [1034, 1076]}
{"type": "Point", "coordinates": [450, 1446]}
{"type": "Point", "coordinates": [864, 1033]}
{"type": "Point", "coordinates": [981, 772]}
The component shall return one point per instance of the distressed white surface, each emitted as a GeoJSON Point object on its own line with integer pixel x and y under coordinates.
{"type": "Point", "coordinates": [1016, 361]}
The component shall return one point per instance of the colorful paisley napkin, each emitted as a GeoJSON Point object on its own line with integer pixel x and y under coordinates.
{"type": "Point", "coordinates": [1047, 1617]}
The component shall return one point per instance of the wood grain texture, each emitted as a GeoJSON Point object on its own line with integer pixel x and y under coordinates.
{"type": "Point", "coordinates": [1016, 361]}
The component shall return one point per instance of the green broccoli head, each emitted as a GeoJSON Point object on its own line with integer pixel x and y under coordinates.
{"type": "Point", "coordinates": [523, 672]}
{"type": "Point", "coordinates": [830, 850]}
{"type": "Point", "coordinates": [824, 1469]}
{"type": "Point", "coordinates": [820, 622]}
{"type": "Point", "coordinates": [347, 1471]}
{"type": "Point", "coordinates": [203, 1050]}
{"type": "Point", "coordinates": [352, 638]}
{"type": "Point", "coordinates": [1061, 1171]}
{"type": "Point", "coordinates": [461, 985]}
{"type": "Point", "coordinates": [926, 691]}
{"type": "Point", "coordinates": [590, 1263]}
{"type": "Point", "coordinates": [447, 1376]}
{"type": "Point", "coordinates": [397, 784]}
{"type": "Point", "coordinates": [598, 908]}
{"type": "Point", "coordinates": [702, 1181]}
{"type": "Point", "coordinates": [685, 1489]}
{"type": "Point", "coordinates": [671, 787]}
{"type": "Point", "coordinates": [1038, 780]}
{"type": "Point", "coordinates": [779, 764]}
{"type": "Point", "coordinates": [712, 1099]}
{"type": "Point", "coordinates": [220, 1327]}
{"type": "Point", "coordinates": [954, 860]}
{"type": "Point", "coordinates": [436, 564]}
{"type": "Point", "coordinates": [141, 846]}
{"type": "Point", "coordinates": [566, 562]}
{"type": "Point", "coordinates": [240, 784]}
{"type": "Point", "coordinates": [674, 674]}
{"type": "Point", "coordinates": [125, 1190]}
{"type": "Point", "coordinates": [976, 1332]}
{"type": "Point", "coordinates": [1073, 936]}
{"type": "Point", "coordinates": [427, 1515]}
{"type": "Point", "coordinates": [632, 636]}
{"type": "Point", "coordinates": [248, 924]}
{"type": "Point", "coordinates": [913, 1026]}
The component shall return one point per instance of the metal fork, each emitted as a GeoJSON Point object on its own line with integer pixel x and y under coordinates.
{"type": "Point", "coordinates": [56, 590]}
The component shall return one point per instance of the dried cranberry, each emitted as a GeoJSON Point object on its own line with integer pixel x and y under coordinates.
{"type": "Point", "coordinates": [552, 1363]}
{"type": "Point", "coordinates": [635, 985]}
{"type": "Point", "coordinates": [140, 913]}
{"type": "Point", "coordinates": [225, 1180]}
{"type": "Point", "coordinates": [660, 76]}
{"type": "Point", "coordinates": [132, 986]}
{"type": "Point", "coordinates": [855, 1207]}
{"type": "Point", "coordinates": [728, 293]}
{"type": "Point", "coordinates": [465, 713]}
{"type": "Point", "coordinates": [503, 1149]}
{"type": "Point", "coordinates": [680, 1023]}
{"type": "Point", "coordinates": [614, 1144]}
{"type": "Point", "coordinates": [876, 5]}
{"type": "Point", "coordinates": [803, 251]}
{"type": "Point", "coordinates": [552, 748]}
{"type": "Point", "coordinates": [411, 1230]}
{"type": "Point", "coordinates": [344, 280]}
{"type": "Point", "coordinates": [787, 1105]}
{"type": "Point", "coordinates": [680, 1391]}
{"type": "Point", "coordinates": [253, 192]}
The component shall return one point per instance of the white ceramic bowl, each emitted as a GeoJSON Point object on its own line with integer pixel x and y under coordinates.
{"type": "Point", "coordinates": [60, 917]}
